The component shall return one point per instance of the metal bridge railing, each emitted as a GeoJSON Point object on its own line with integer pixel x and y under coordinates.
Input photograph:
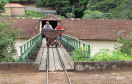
{"type": "Point", "coordinates": [74, 43]}
{"type": "Point", "coordinates": [28, 47]}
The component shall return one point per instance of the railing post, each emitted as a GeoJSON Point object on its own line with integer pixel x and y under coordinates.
{"type": "Point", "coordinates": [74, 42]}
{"type": "Point", "coordinates": [24, 48]}
{"type": "Point", "coordinates": [89, 50]}
{"type": "Point", "coordinates": [79, 43]}
{"type": "Point", "coordinates": [21, 54]}
{"type": "Point", "coordinates": [83, 45]}
{"type": "Point", "coordinates": [35, 42]}
{"type": "Point", "coordinates": [27, 45]}
{"type": "Point", "coordinates": [67, 41]}
{"type": "Point", "coordinates": [27, 58]}
{"type": "Point", "coordinates": [30, 43]}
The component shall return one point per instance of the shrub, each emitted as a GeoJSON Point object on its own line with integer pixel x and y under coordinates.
{"type": "Point", "coordinates": [7, 42]}
{"type": "Point", "coordinates": [62, 16]}
{"type": "Point", "coordinates": [80, 54]}
{"type": "Point", "coordinates": [105, 55]}
{"type": "Point", "coordinates": [70, 15]}
{"type": "Point", "coordinates": [126, 44]}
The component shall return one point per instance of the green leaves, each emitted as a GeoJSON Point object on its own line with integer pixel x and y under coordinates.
{"type": "Point", "coordinates": [94, 14]}
{"type": "Point", "coordinates": [106, 55]}
{"type": "Point", "coordinates": [126, 44]}
{"type": "Point", "coordinates": [2, 4]}
{"type": "Point", "coordinates": [70, 15]}
{"type": "Point", "coordinates": [7, 42]}
{"type": "Point", "coordinates": [65, 6]}
{"type": "Point", "coordinates": [123, 11]}
{"type": "Point", "coordinates": [103, 6]}
{"type": "Point", "coordinates": [120, 9]}
{"type": "Point", "coordinates": [80, 54]}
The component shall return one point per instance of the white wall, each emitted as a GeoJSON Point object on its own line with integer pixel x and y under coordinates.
{"type": "Point", "coordinates": [100, 44]}
{"type": "Point", "coordinates": [18, 43]}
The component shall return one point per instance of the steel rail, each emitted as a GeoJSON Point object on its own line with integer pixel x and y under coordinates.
{"type": "Point", "coordinates": [63, 66]}
{"type": "Point", "coordinates": [47, 66]}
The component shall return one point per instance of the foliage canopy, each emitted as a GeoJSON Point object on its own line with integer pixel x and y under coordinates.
{"type": "Point", "coordinates": [2, 4]}
{"type": "Point", "coordinates": [7, 42]}
{"type": "Point", "coordinates": [120, 9]}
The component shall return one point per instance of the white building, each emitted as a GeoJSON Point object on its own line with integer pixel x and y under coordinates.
{"type": "Point", "coordinates": [96, 32]}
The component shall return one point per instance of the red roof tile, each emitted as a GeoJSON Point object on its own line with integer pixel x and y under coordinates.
{"type": "Point", "coordinates": [50, 17]}
{"type": "Point", "coordinates": [29, 27]}
{"type": "Point", "coordinates": [96, 28]}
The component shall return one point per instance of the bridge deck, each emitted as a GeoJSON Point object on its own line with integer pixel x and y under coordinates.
{"type": "Point", "coordinates": [54, 60]}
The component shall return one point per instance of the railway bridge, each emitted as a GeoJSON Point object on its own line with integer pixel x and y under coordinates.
{"type": "Point", "coordinates": [53, 58]}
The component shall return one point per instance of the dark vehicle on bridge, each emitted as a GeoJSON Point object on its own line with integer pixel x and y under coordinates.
{"type": "Point", "coordinates": [52, 36]}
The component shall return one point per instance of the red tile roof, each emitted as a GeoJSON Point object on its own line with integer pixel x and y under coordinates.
{"type": "Point", "coordinates": [29, 27]}
{"type": "Point", "coordinates": [96, 28]}
{"type": "Point", "coordinates": [13, 5]}
{"type": "Point", "coordinates": [50, 17]}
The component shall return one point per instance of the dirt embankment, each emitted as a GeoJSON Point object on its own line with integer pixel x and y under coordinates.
{"type": "Point", "coordinates": [120, 77]}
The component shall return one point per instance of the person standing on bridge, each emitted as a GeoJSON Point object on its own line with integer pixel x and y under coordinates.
{"type": "Point", "coordinates": [59, 27]}
{"type": "Point", "coordinates": [48, 27]}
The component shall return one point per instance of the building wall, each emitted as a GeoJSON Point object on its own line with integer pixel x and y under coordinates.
{"type": "Point", "coordinates": [7, 11]}
{"type": "Point", "coordinates": [14, 11]}
{"type": "Point", "coordinates": [96, 45]}
{"type": "Point", "coordinates": [18, 43]}
{"type": "Point", "coordinates": [18, 11]}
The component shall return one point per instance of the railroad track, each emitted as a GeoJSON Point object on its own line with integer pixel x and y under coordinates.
{"type": "Point", "coordinates": [62, 64]}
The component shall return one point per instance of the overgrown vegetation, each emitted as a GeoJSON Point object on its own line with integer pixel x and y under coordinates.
{"type": "Point", "coordinates": [126, 44]}
{"type": "Point", "coordinates": [122, 52]}
{"type": "Point", "coordinates": [65, 6]}
{"type": "Point", "coordinates": [120, 9]}
{"type": "Point", "coordinates": [106, 55]}
{"type": "Point", "coordinates": [80, 54]}
{"type": "Point", "coordinates": [107, 9]}
{"type": "Point", "coordinates": [95, 14]}
{"type": "Point", "coordinates": [21, 0]}
{"type": "Point", "coordinates": [70, 15]}
{"type": "Point", "coordinates": [7, 42]}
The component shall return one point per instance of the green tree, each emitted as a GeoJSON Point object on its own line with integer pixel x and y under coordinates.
{"type": "Point", "coordinates": [2, 4]}
{"type": "Point", "coordinates": [93, 2]}
{"type": "Point", "coordinates": [120, 9]}
{"type": "Point", "coordinates": [70, 15]}
{"type": "Point", "coordinates": [7, 42]}
{"type": "Point", "coordinates": [79, 7]}
{"type": "Point", "coordinates": [104, 6]}
{"type": "Point", "coordinates": [62, 6]}
{"type": "Point", "coordinates": [65, 6]}
{"type": "Point", "coordinates": [123, 11]}
{"type": "Point", "coordinates": [95, 14]}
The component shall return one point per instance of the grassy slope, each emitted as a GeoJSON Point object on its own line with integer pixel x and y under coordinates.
{"type": "Point", "coordinates": [31, 14]}
{"type": "Point", "coordinates": [34, 14]}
